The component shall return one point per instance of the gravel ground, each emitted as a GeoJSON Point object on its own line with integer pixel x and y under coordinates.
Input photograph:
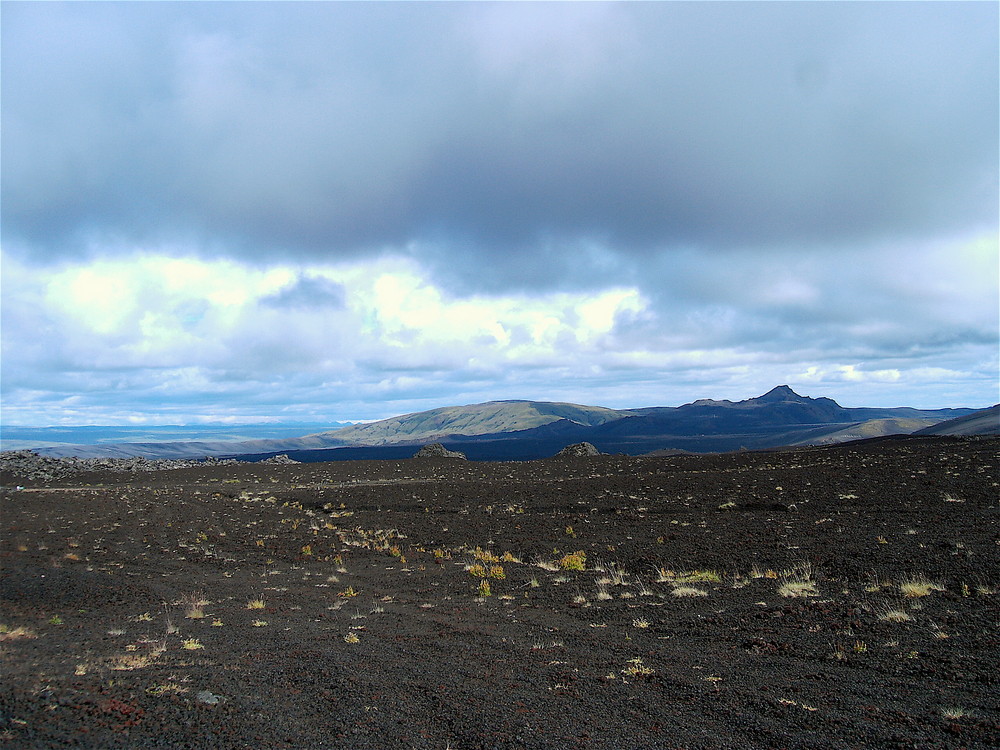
{"type": "Point", "coordinates": [840, 597]}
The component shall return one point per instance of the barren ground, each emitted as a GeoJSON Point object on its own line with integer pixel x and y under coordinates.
{"type": "Point", "coordinates": [841, 597]}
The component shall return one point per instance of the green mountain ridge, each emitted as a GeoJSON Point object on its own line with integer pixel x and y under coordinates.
{"type": "Point", "coordinates": [475, 419]}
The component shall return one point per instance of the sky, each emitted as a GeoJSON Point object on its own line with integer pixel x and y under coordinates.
{"type": "Point", "coordinates": [281, 211]}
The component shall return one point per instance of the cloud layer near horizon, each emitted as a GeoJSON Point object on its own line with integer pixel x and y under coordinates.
{"type": "Point", "coordinates": [345, 210]}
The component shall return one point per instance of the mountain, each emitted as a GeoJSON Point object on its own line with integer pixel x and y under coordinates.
{"type": "Point", "coordinates": [533, 429]}
{"type": "Point", "coordinates": [478, 419]}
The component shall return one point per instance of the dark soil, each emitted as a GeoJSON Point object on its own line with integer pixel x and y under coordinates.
{"type": "Point", "coordinates": [374, 633]}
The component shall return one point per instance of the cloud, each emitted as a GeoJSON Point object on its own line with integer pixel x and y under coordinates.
{"type": "Point", "coordinates": [197, 336]}
{"type": "Point", "coordinates": [211, 207]}
{"type": "Point", "coordinates": [470, 132]}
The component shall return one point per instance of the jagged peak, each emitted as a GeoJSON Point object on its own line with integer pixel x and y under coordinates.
{"type": "Point", "coordinates": [781, 393]}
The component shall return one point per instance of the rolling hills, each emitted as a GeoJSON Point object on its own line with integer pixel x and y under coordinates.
{"type": "Point", "coordinates": [521, 429]}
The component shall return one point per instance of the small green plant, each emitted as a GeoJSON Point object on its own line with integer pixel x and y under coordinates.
{"type": "Point", "coordinates": [573, 561]}
{"type": "Point", "coordinates": [55, 620]}
{"type": "Point", "coordinates": [636, 668]}
{"type": "Point", "coordinates": [348, 592]}
{"type": "Point", "coordinates": [497, 572]}
{"type": "Point", "coordinates": [258, 603]}
{"type": "Point", "coordinates": [352, 637]}
{"type": "Point", "coordinates": [484, 588]}
{"type": "Point", "coordinates": [477, 570]}
{"type": "Point", "coordinates": [191, 644]}
{"type": "Point", "coordinates": [484, 555]}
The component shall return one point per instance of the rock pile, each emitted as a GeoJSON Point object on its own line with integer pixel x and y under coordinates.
{"type": "Point", "coordinates": [436, 450]}
{"type": "Point", "coordinates": [280, 459]}
{"type": "Point", "coordinates": [578, 450]}
{"type": "Point", "coordinates": [29, 466]}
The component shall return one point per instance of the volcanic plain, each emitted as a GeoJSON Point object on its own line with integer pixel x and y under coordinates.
{"type": "Point", "coordinates": [835, 597]}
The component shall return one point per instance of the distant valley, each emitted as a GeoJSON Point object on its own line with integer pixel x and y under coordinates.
{"type": "Point", "coordinates": [14, 437]}
{"type": "Point", "coordinates": [521, 430]}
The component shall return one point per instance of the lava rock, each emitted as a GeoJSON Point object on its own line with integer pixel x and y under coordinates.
{"type": "Point", "coordinates": [281, 459]}
{"type": "Point", "coordinates": [436, 450]}
{"type": "Point", "coordinates": [579, 450]}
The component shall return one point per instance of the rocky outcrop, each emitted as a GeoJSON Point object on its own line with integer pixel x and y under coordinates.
{"type": "Point", "coordinates": [281, 459]}
{"type": "Point", "coordinates": [29, 466]}
{"type": "Point", "coordinates": [436, 450]}
{"type": "Point", "coordinates": [578, 450]}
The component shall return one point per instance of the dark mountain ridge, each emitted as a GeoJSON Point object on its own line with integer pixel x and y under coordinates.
{"type": "Point", "coordinates": [534, 429]}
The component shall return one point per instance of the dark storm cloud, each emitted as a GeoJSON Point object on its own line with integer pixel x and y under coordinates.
{"type": "Point", "coordinates": [522, 135]}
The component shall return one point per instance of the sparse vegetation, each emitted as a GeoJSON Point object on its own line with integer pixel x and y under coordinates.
{"type": "Point", "coordinates": [687, 591]}
{"type": "Point", "coordinates": [955, 713]}
{"type": "Point", "coordinates": [636, 668]}
{"type": "Point", "coordinates": [7, 633]}
{"type": "Point", "coordinates": [894, 615]}
{"type": "Point", "coordinates": [671, 597]}
{"type": "Point", "coordinates": [918, 587]}
{"type": "Point", "coordinates": [573, 561]}
{"type": "Point", "coordinates": [797, 588]}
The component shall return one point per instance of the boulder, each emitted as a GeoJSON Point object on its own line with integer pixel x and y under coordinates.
{"type": "Point", "coordinates": [436, 450]}
{"type": "Point", "coordinates": [579, 450]}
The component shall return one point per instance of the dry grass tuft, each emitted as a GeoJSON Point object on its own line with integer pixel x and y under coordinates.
{"type": "Point", "coordinates": [689, 576]}
{"type": "Point", "coordinates": [894, 615]}
{"type": "Point", "coordinates": [685, 591]}
{"type": "Point", "coordinates": [953, 713]}
{"type": "Point", "coordinates": [8, 633]}
{"type": "Point", "coordinates": [797, 589]}
{"type": "Point", "coordinates": [914, 588]}
{"type": "Point", "coordinates": [798, 582]}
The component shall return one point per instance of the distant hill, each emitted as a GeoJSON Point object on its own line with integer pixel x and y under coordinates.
{"type": "Point", "coordinates": [868, 429]}
{"type": "Point", "coordinates": [533, 429]}
{"type": "Point", "coordinates": [982, 422]}
{"type": "Point", "coordinates": [478, 419]}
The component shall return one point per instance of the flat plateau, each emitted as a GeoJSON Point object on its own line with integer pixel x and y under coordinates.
{"type": "Point", "coordinates": [838, 597]}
